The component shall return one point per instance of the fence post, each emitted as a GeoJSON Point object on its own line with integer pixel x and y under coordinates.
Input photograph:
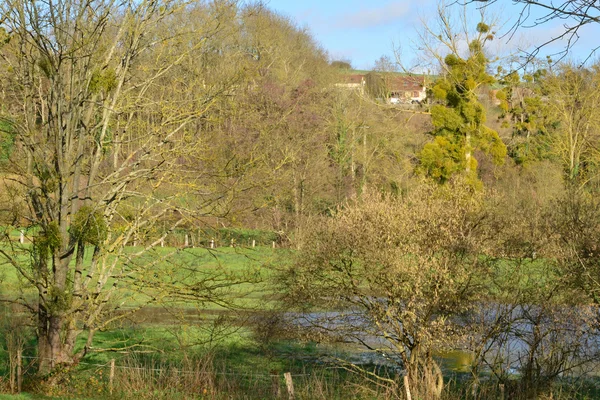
{"type": "Point", "coordinates": [22, 237]}
{"type": "Point", "coordinates": [407, 388]}
{"type": "Point", "coordinates": [111, 376]}
{"type": "Point", "coordinates": [474, 390]}
{"type": "Point", "coordinates": [212, 243]}
{"type": "Point", "coordinates": [19, 371]}
{"type": "Point", "coordinates": [290, 385]}
{"type": "Point", "coordinates": [253, 243]}
{"type": "Point", "coordinates": [273, 244]}
{"type": "Point", "coordinates": [275, 384]}
{"type": "Point", "coordinates": [187, 241]}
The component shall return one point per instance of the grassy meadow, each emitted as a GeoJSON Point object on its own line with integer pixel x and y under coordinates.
{"type": "Point", "coordinates": [186, 349]}
{"type": "Point", "coordinates": [229, 345]}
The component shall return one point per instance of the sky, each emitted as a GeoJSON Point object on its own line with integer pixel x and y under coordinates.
{"type": "Point", "coordinates": [362, 31]}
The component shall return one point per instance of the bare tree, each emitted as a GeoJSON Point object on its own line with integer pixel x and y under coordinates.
{"type": "Point", "coordinates": [575, 140]}
{"type": "Point", "coordinates": [574, 15]}
{"type": "Point", "coordinates": [103, 116]}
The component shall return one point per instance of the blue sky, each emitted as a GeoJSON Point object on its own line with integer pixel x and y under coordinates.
{"type": "Point", "coordinates": [362, 31]}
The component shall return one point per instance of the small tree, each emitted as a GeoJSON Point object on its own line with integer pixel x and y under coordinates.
{"type": "Point", "coordinates": [459, 121]}
{"type": "Point", "coordinates": [573, 114]}
{"type": "Point", "coordinates": [397, 271]}
{"type": "Point", "coordinates": [575, 227]}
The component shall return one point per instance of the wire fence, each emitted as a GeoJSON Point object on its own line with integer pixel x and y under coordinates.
{"type": "Point", "coordinates": [168, 369]}
{"type": "Point", "coordinates": [199, 374]}
{"type": "Point", "coordinates": [187, 238]}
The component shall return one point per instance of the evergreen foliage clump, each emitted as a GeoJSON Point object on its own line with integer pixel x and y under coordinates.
{"type": "Point", "coordinates": [459, 118]}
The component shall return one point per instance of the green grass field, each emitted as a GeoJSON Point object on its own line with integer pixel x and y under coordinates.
{"type": "Point", "coordinates": [178, 268]}
{"type": "Point", "coordinates": [177, 333]}
{"type": "Point", "coordinates": [171, 332]}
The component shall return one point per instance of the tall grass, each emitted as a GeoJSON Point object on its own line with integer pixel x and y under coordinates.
{"type": "Point", "coordinates": [204, 377]}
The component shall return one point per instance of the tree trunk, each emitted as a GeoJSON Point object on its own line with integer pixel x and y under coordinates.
{"type": "Point", "coordinates": [425, 376]}
{"type": "Point", "coordinates": [52, 350]}
{"type": "Point", "coordinates": [468, 153]}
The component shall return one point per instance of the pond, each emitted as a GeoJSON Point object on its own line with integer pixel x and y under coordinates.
{"type": "Point", "coordinates": [556, 340]}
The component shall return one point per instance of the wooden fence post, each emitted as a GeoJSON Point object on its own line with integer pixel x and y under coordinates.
{"type": "Point", "coordinates": [290, 385]}
{"type": "Point", "coordinates": [273, 244]}
{"type": "Point", "coordinates": [253, 243]}
{"type": "Point", "coordinates": [407, 388]}
{"type": "Point", "coordinates": [212, 243]}
{"type": "Point", "coordinates": [111, 376]}
{"type": "Point", "coordinates": [275, 384]}
{"type": "Point", "coordinates": [22, 237]}
{"type": "Point", "coordinates": [187, 241]}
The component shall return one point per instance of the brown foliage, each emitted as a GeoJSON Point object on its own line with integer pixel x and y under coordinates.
{"type": "Point", "coordinates": [399, 270]}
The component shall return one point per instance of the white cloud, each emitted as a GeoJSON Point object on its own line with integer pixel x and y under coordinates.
{"type": "Point", "coordinates": [373, 17]}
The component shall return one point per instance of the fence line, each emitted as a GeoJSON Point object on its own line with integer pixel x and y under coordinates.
{"type": "Point", "coordinates": [186, 238]}
{"type": "Point", "coordinates": [170, 369]}
{"type": "Point", "coordinates": [274, 376]}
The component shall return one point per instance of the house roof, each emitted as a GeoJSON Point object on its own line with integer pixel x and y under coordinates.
{"type": "Point", "coordinates": [354, 78]}
{"type": "Point", "coordinates": [396, 81]}
{"type": "Point", "coordinates": [406, 83]}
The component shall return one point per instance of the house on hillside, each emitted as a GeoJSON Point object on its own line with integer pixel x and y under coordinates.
{"type": "Point", "coordinates": [353, 81]}
{"type": "Point", "coordinates": [407, 89]}
{"type": "Point", "coordinates": [392, 88]}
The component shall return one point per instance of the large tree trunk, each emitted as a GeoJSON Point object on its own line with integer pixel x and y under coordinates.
{"type": "Point", "coordinates": [53, 349]}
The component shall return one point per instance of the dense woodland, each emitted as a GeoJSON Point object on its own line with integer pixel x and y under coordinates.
{"type": "Point", "coordinates": [471, 221]}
